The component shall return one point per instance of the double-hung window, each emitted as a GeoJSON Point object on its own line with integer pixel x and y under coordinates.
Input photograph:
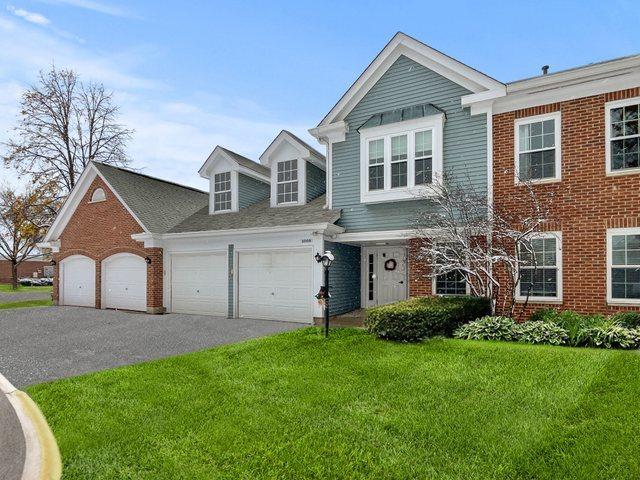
{"type": "Point", "coordinates": [222, 192]}
{"type": "Point", "coordinates": [624, 265]}
{"type": "Point", "coordinates": [400, 160]}
{"type": "Point", "coordinates": [451, 283]}
{"type": "Point", "coordinates": [538, 148]}
{"type": "Point", "coordinates": [623, 136]}
{"type": "Point", "coordinates": [541, 268]}
{"type": "Point", "coordinates": [287, 181]}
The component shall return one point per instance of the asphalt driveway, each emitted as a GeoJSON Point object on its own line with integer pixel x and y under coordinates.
{"type": "Point", "coordinates": [42, 344]}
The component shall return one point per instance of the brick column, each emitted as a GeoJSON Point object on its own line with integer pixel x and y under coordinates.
{"type": "Point", "coordinates": [155, 281]}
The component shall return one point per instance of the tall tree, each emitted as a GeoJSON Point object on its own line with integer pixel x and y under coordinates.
{"type": "Point", "coordinates": [63, 125]}
{"type": "Point", "coordinates": [24, 219]}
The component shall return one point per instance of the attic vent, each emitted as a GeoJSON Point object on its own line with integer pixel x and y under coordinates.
{"type": "Point", "coordinates": [545, 69]}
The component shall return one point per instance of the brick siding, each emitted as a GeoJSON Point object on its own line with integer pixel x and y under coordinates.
{"type": "Point", "coordinates": [25, 269]}
{"type": "Point", "coordinates": [99, 230]}
{"type": "Point", "coordinates": [586, 202]}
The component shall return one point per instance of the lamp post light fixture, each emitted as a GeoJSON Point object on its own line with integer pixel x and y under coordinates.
{"type": "Point", "coordinates": [326, 259]}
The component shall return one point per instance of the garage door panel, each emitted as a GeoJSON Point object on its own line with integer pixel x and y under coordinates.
{"type": "Point", "coordinates": [199, 284]}
{"type": "Point", "coordinates": [78, 281]}
{"type": "Point", "coordinates": [275, 285]}
{"type": "Point", "coordinates": [125, 282]}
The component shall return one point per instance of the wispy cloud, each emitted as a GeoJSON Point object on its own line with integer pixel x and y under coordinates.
{"type": "Point", "coordinates": [32, 17]}
{"type": "Point", "coordinates": [91, 5]}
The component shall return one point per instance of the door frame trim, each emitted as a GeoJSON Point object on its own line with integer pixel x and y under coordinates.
{"type": "Point", "coordinates": [364, 263]}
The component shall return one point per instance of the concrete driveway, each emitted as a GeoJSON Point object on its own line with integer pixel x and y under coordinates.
{"type": "Point", "coordinates": [42, 344]}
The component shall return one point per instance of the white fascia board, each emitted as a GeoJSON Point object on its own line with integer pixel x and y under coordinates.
{"type": "Point", "coordinates": [283, 136]}
{"type": "Point", "coordinates": [432, 59]}
{"type": "Point", "coordinates": [517, 100]}
{"type": "Point", "coordinates": [321, 227]}
{"type": "Point", "coordinates": [216, 155]}
{"type": "Point", "coordinates": [53, 245]}
{"type": "Point", "coordinates": [331, 133]}
{"type": "Point", "coordinates": [151, 240]}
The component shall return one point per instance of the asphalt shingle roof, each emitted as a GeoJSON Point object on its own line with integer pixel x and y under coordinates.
{"type": "Point", "coordinates": [159, 204]}
{"type": "Point", "coordinates": [258, 215]}
{"type": "Point", "coordinates": [247, 163]}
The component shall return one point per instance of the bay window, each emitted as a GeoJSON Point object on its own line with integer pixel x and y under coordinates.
{"type": "Point", "coordinates": [399, 161]}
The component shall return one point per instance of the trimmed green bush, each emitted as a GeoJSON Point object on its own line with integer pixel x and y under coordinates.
{"type": "Point", "coordinates": [542, 314]}
{"type": "Point", "coordinates": [610, 334]}
{"type": "Point", "coordinates": [539, 332]}
{"type": "Point", "coordinates": [488, 328]}
{"type": "Point", "coordinates": [628, 319]}
{"type": "Point", "coordinates": [418, 318]}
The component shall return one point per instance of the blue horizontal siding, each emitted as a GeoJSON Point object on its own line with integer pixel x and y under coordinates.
{"type": "Point", "coordinates": [315, 182]}
{"type": "Point", "coordinates": [344, 280]}
{"type": "Point", "coordinates": [251, 191]}
{"type": "Point", "coordinates": [407, 83]}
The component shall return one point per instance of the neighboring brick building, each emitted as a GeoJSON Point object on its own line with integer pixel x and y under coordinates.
{"type": "Point", "coordinates": [25, 269]}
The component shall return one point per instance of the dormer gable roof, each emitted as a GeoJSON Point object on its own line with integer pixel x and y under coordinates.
{"type": "Point", "coordinates": [305, 150]}
{"type": "Point", "coordinates": [244, 164]}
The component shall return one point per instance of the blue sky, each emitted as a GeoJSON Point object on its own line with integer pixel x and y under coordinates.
{"type": "Point", "coordinates": [191, 75]}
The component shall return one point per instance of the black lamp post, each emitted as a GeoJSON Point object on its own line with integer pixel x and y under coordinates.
{"type": "Point", "coordinates": [326, 260]}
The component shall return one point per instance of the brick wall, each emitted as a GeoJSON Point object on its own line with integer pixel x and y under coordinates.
{"type": "Point", "coordinates": [420, 285]}
{"type": "Point", "coordinates": [99, 230]}
{"type": "Point", "coordinates": [585, 202]}
{"type": "Point", "coordinates": [25, 269]}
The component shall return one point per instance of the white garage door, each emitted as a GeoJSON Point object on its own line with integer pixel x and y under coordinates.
{"type": "Point", "coordinates": [275, 285]}
{"type": "Point", "coordinates": [124, 282]}
{"type": "Point", "coordinates": [78, 281]}
{"type": "Point", "coordinates": [199, 284]}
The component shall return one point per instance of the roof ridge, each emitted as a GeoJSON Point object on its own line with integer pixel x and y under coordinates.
{"type": "Point", "coordinates": [151, 177]}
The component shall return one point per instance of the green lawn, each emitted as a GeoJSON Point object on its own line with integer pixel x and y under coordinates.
{"type": "Point", "coordinates": [6, 288]}
{"type": "Point", "coordinates": [26, 303]}
{"type": "Point", "coordinates": [297, 406]}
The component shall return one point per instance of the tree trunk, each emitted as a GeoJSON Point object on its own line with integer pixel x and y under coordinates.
{"type": "Point", "coordinates": [14, 275]}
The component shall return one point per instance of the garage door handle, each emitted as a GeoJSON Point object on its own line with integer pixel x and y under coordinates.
{"type": "Point", "coordinates": [273, 293]}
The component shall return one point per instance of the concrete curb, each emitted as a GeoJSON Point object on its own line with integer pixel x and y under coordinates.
{"type": "Point", "coordinates": [42, 456]}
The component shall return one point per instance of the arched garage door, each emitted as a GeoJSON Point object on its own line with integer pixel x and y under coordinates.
{"type": "Point", "coordinates": [124, 282]}
{"type": "Point", "coordinates": [78, 281]}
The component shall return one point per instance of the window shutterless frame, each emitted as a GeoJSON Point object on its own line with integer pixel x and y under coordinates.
{"type": "Point", "coordinates": [557, 119]}
{"type": "Point", "coordinates": [608, 107]}
{"type": "Point", "coordinates": [612, 232]}
{"type": "Point", "coordinates": [222, 192]}
{"type": "Point", "coordinates": [410, 190]}
{"type": "Point", "coordinates": [558, 297]}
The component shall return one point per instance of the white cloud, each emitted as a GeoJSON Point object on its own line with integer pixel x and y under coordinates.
{"type": "Point", "coordinates": [32, 17]}
{"type": "Point", "coordinates": [93, 6]}
{"type": "Point", "coordinates": [174, 131]}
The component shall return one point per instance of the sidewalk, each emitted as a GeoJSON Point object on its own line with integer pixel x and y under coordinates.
{"type": "Point", "coordinates": [12, 442]}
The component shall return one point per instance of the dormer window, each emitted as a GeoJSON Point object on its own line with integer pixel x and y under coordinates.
{"type": "Point", "coordinates": [222, 192]}
{"type": "Point", "coordinates": [98, 195]}
{"type": "Point", "coordinates": [287, 181]}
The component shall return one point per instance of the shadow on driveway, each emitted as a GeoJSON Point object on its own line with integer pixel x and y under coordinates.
{"type": "Point", "coordinates": [42, 344]}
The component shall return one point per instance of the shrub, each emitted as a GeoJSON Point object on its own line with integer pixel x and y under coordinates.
{"type": "Point", "coordinates": [543, 315]}
{"type": "Point", "coordinates": [574, 323]}
{"type": "Point", "coordinates": [418, 318]}
{"type": "Point", "coordinates": [627, 319]}
{"type": "Point", "coordinates": [488, 328]}
{"type": "Point", "coordinates": [537, 331]}
{"type": "Point", "coordinates": [610, 334]}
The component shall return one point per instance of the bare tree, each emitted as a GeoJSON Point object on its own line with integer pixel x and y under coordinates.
{"type": "Point", "coordinates": [487, 244]}
{"type": "Point", "coordinates": [24, 219]}
{"type": "Point", "coordinates": [63, 125]}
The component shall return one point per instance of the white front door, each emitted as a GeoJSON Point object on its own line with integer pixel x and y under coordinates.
{"type": "Point", "coordinates": [78, 281]}
{"type": "Point", "coordinates": [199, 283]}
{"type": "Point", "coordinates": [384, 275]}
{"type": "Point", "coordinates": [124, 282]}
{"type": "Point", "coordinates": [276, 285]}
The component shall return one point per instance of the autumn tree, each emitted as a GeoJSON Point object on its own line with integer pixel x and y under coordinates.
{"type": "Point", "coordinates": [63, 125]}
{"type": "Point", "coordinates": [24, 219]}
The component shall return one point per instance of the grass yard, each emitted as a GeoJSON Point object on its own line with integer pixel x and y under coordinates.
{"type": "Point", "coordinates": [6, 288]}
{"type": "Point", "coordinates": [297, 406]}
{"type": "Point", "coordinates": [26, 303]}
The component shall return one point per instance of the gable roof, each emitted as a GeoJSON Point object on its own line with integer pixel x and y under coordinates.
{"type": "Point", "coordinates": [158, 204]}
{"type": "Point", "coordinates": [303, 147]}
{"type": "Point", "coordinates": [240, 160]}
{"type": "Point", "coordinates": [402, 44]}
{"type": "Point", "coordinates": [259, 215]}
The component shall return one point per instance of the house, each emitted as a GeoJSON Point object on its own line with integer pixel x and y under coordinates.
{"type": "Point", "coordinates": [245, 247]}
{"type": "Point", "coordinates": [34, 267]}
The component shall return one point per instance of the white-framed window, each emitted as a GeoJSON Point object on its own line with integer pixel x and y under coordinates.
{"type": "Point", "coordinates": [399, 161]}
{"type": "Point", "coordinates": [622, 120]}
{"type": "Point", "coordinates": [222, 192]}
{"type": "Point", "coordinates": [538, 148]}
{"type": "Point", "coordinates": [451, 283]}
{"type": "Point", "coordinates": [287, 182]}
{"type": "Point", "coordinates": [541, 272]}
{"type": "Point", "coordinates": [623, 265]}
{"type": "Point", "coordinates": [98, 195]}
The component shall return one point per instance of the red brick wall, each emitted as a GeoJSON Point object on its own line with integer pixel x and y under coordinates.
{"type": "Point", "coordinates": [586, 202]}
{"type": "Point", "coordinates": [420, 285]}
{"type": "Point", "coordinates": [99, 230]}
{"type": "Point", "coordinates": [25, 269]}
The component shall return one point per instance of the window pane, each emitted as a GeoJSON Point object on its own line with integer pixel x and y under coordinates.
{"type": "Point", "coordinates": [376, 177]}
{"type": "Point", "coordinates": [423, 171]}
{"type": "Point", "coordinates": [625, 283]}
{"type": "Point", "coordinates": [376, 152]}
{"type": "Point", "coordinates": [424, 144]}
{"type": "Point", "coordinates": [399, 148]}
{"type": "Point", "coordinates": [630, 112]}
{"type": "Point", "coordinates": [452, 283]}
{"type": "Point", "coordinates": [617, 129]}
{"type": "Point", "coordinates": [524, 138]}
{"type": "Point", "coordinates": [537, 165]}
{"type": "Point", "coordinates": [540, 282]}
{"type": "Point", "coordinates": [398, 174]}
{"type": "Point", "coordinates": [616, 114]}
